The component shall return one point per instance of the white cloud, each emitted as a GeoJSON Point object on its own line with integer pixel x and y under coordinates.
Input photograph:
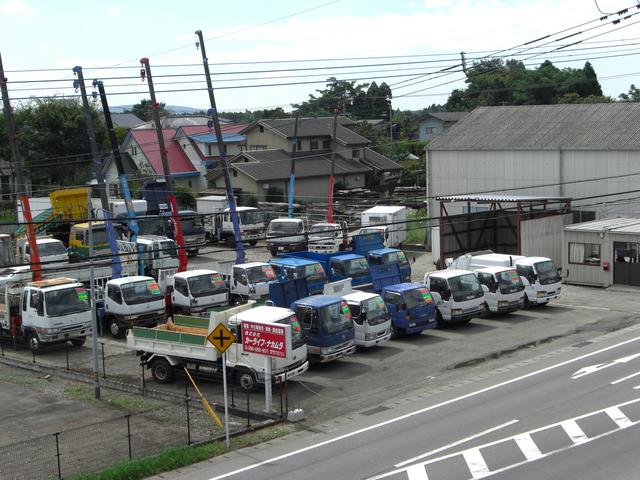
{"type": "Point", "coordinates": [16, 8]}
{"type": "Point", "coordinates": [438, 3]}
{"type": "Point", "coordinates": [115, 10]}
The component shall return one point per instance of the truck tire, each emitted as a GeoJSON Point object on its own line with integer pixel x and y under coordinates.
{"type": "Point", "coordinates": [78, 342]}
{"type": "Point", "coordinates": [274, 252]}
{"type": "Point", "coordinates": [246, 380]}
{"type": "Point", "coordinates": [237, 300]}
{"type": "Point", "coordinates": [114, 327]}
{"type": "Point", "coordinates": [162, 371]}
{"type": "Point", "coordinates": [34, 342]}
{"type": "Point", "coordinates": [439, 319]}
{"type": "Point", "coordinates": [253, 243]}
{"type": "Point", "coordinates": [230, 241]}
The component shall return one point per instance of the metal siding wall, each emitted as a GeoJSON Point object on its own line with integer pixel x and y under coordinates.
{"type": "Point", "coordinates": [542, 237]}
{"type": "Point", "coordinates": [586, 274]}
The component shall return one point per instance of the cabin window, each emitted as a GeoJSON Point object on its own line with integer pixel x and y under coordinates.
{"type": "Point", "coordinates": [584, 253]}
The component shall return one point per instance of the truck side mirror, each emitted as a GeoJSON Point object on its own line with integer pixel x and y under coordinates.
{"type": "Point", "coordinates": [485, 289]}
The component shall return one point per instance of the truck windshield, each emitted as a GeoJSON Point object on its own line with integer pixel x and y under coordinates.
{"type": "Point", "coordinates": [376, 310]}
{"type": "Point", "coordinates": [167, 249]}
{"type": "Point", "coordinates": [465, 287]}
{"type": "Point", "coordinates": [547, 272]}
{"type": "Point", "coordinates": [143, 291]}
{"type": "Point", "coordinates": [297, 336]}
{"type": "Point", "coordinates": [283, 228]}
{"type": "Point", "coordinates": [250, 217]}
{"type": "Point", "coordinates": [322, 231]}
{"type": "Point", "coordinates": [335, 318]}
{"type": "Point", "coordinates": [99, 235]}
{"type": "Point", "coordinates": [53, 248]}
{"type": "Point", "coordinates": [191, 225]}
{"type": "Point", "coordinates": [417, 297]}
{"type": "Point", "coordinates": [367, 231]}
{"type": "Point", "coordinates": [261, 274]}
{"type": "Point", "coordinates": [313, 273]}
{"type": "Point", "coordinates": [357, 267]}
{"type": "Point", "coordinates": [509, 281]}
{"type": "Point", "coordinates": [66, 301]}
{"type": "Point", "coordinates": [207, 284]}
{"type": "Point", "coordinates": [151, 226]}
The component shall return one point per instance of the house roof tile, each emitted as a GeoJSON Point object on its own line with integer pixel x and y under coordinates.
{"type": "Point", "coordinates": [148, 142]}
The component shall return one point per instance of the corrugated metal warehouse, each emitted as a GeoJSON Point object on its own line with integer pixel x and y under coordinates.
{"type": "Point", "coordinates": [588, 152]}
{"type": "Point", "coordinates": [602, 252]}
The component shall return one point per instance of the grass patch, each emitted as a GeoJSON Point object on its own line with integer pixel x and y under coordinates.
{"type": "Point", "coordinates": [125, 402]}
{"type": "Point", "coordinates": [172, 458]}
{"type": "Point", "coordinates": [416, 231]}
{"type": "Point", "coordinates": [23, 380]}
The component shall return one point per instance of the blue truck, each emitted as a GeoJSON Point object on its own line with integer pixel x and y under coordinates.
{"type": "Point", "coordinates": [338, 266]}
{"type": "Point", "coordinates": [290, 268]}
{"type": "Point", "coordinates": [411, 307]}
{"type": "Point", "coordinates": [325, 319]}
{"type": "Point", "coordinates": [371, 245]}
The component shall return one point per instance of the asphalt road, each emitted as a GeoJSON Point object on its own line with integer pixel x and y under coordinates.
{"type": "Point", "coordinates": [571, 414]}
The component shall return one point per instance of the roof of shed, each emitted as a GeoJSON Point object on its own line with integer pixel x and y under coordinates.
{"type": "Point", "coordinates": [614, 225]}
{"type": "Point", "coordinates": [596, 126]}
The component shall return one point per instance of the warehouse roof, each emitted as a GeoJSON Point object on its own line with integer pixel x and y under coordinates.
{"type": "Point", "coordinates": [613, 225]}
{"type": "Point", "coordinates": [596, 126]}
{"type": "Point", "coordinates": [500, 198]}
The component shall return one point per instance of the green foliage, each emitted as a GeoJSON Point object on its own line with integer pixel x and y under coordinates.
{"type": "Point", "coordinates": [632, 96]}
{"type": "Point", "coordinates": [248, 200]}
{"type": "Point", "coordinates": [53, 140]}
{"type": "Point", "coordinates": [143, 110]}
{"type": "Point", "coordinates": [185, 197]}
{"type": "Point", "coordinates": [494, 82]}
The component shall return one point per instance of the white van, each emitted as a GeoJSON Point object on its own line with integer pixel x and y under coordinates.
{"type": "Point", "coordinates": [457, 293]}
{"type": "Point", "coordinates": [539, 274]}
{"type": "Point", "coordinates": [503, 289]}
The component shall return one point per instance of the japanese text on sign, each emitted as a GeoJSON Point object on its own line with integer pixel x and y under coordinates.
{"type": "Point", "coordinates": [263, 339]}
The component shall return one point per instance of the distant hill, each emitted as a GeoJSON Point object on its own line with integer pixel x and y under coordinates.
{"type": "Point", "coordinates": [175, 109]}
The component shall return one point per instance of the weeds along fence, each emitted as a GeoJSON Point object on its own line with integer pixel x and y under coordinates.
{"type": "Point", "coordinates": [92, 447]}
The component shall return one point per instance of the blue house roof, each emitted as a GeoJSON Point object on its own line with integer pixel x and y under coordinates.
{"type": "Point", "coordinates": [211, 138]}
{"type": "Point", "coordinates": [403, 287]}
{"type": "Point", "coordinates": [318, 301]}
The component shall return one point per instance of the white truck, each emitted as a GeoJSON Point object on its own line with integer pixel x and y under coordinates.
{"type": "Point", "coordinates": [457, 293]}
{"type": "Point", "coordinates": [52, 251]}
{"type": "Point", "coordinates": [218, 224]}
{"type": "Point", "coordinates": [328, 237]}
{"type": "Point", "coordinates": [287, 235]}
{"type": "Point", "coordinates": [371, 319]}
{"type": "Point", "coordinates": [539, 274]}
{"type": "Point", "coordinates": [132, 301]}
{"type": "Point", "coordinates": [159, 258]}
{"type": "Point", "coordinates": [503, 289]}
{"type": "Point", "coordinates": [167, 349]}
{"type": "Point", "coordinates": [390, 221]}
{"type": "Point", "coordinates": [195, 291]}
{"type": "Point", "coordinates": [246, 281]}
{"type": "Point", "coordinates": [48, 311]}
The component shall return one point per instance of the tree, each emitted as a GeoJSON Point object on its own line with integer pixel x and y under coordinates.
{"type": "Point", "coordinates": [339, 94]}
{"type": "Point", "coordinates": [632, 96]}
{"type": "Point", "coordinates": [143, 110]}
{"type": "Point", "coordinates": [185, 197]}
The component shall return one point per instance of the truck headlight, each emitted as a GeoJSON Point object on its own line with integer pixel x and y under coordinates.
{"type": "Point", "coordinates": [541, 294]}
{"type": "Point", "coordinates": [502, 303]}
{"type": "Point", "coordinates": [370, 336]}
{"type": "Point", "coordinates": [456, 311]}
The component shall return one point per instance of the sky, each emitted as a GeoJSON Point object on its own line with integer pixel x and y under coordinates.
{"type": "Point", "coordinates": [416, 39]}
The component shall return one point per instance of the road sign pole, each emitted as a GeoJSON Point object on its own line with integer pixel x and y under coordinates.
{"type": "Point", "coordinates": [267, 384]}
{"type": "Point", "coordinates": [226, 404]}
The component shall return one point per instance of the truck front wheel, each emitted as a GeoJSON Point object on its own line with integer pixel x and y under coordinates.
{"type": "Point", "coordinates": [253, 243]}
{"type": "Point", "coordinates": [78, 342]}
{"type": "Point", "coordinates": [34, 342]}
{"type": "Point", "coordinates": [114, 328]}
{"type": "Point", "coordinates": [162, 371]}
{"type": "Point", "coordinates": [246, 380]}
{"type": "Point", "coordinates": [274, 252]}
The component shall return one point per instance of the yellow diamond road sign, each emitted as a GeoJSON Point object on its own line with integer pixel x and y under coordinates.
{"type": "Point", "coordinates": [221, 338]}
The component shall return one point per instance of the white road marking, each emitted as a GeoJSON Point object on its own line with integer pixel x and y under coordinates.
{"type": "Point", "coordinates": [454, 444]}
{"type": "Point", "coordinates": [417, 472]}
{"type": "Point", "coordinates": [601, 366]}
{"type": "Point", "coordinates": [528, 447]}
{"type": "Point", "coordinates": [569, 424]}
{"type": "Point", "coordinates": [421, 411]}
{"type": "Point", "coordinates": [574, 431]}
{"type": "Point", "coordinates": [615, 382]}
{"type": "Point", "coordinates": [618, 417]}
{"type": "Point", "coordinates": [475, 461]}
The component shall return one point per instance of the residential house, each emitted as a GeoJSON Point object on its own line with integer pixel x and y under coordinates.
{"type": "Point", "coordinates": [126, 120]}
{"type": "Point", "coordinates": [265, 164]}
{"type": "Point", "coordinates": [177, 121]}
{"type": "Point", "coordinates": [435, 123]}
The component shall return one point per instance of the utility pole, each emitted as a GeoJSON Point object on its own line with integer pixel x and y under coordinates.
{"type": "Point", "coordinates": [463, 60]}
{"type": "Point", "coordinates": [213, 111]}
{"type": "Point", "coordinates": [94, 317]}
{"type": "Point", "coordinates": [19, 185]}
{"type": "Point", "coordinates": [182, 255]}
{"type": "Point", "coordinates": [333, 166]}
{"type": "Point", "coordinates": [292, 175]}
{"type": "Point", "coordinates": [102, 187]}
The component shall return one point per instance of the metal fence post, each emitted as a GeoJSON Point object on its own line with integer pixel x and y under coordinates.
{"type": "Point", "coordinates": [2, 347]}
{"type": "Point", "coordinates": [281, 403]}
{"type": "Point", "coordinates": [248, 411]}
{"type": "Point", "coordinates": [188, 421]}
{"type": "Point", "coordinates": [128, 417]}
{"type": "Point", "coordinates": [142, 382]}
{"type": "Point", "coordinates": [56, 435]}
{"type": "Point", "coordinates": [66, 352]}
{"type": "Point", "coordinates": [33, 354]}
{"type": "Point", "coordinates": [104, 370]}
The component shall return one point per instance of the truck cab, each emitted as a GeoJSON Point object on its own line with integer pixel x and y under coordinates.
{"type": "Point", "coordinates": [389, 256]}
{"type": "Point", "coordinates": [328, 327]}
{"type": "Point", "coordinates": [371, 319]}
{"type": "Point", "coordinates": [79, 241]}
{"type": "Point", "coordinates": [286, 235]}
{"type": "Point", "coordinates": [457, 293]}
{"type": "Point", "coordinates": [159, 256]}
{"type": "Point", "coordinates": [48, 311]}
{"type": "Point", "coordinates": [290, 268]}
{"type": "Point", "coordinates": [130, 301]}
{"type": "Point", "coordinates": [411, 307]}
{"type": "Point", "coordinates": [327, 237]}
{"type": "Point", "coordinates": [350, 265]}
{"type": "Point", "coordinates": [52, 252]}
{"type": "Point", "coordinates": [194, 291]}
{"type": "Point", "coordinates": [503, 289]}
{"type": "Point", "coordinates": [251, 222]}
{"type": "Point", "coordinates": [192, 229]}
{"type": "Point", "coordinates": [246, 281]}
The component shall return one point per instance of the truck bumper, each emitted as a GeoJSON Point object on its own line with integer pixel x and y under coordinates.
{"type": "Point", "coordinates": [325, 358]}
{"type": "Point", "coordinates": [146, 320]}
{"type": "Point", "coordinates": [294, 372]}
{"type": "Point", "coordinates": [467, 315]}
{"type": "Point", "coordinates": [547, 298]}
{"type": "Point", "coordinates": [511, 306]}
{"type": "Point", "coordinates": [65, 335]}
{"type": "Point", "coordinates": [385, 337]}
